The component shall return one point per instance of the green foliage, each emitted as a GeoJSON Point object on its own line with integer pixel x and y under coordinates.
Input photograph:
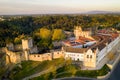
{"type": "Point", "coordinates": [93, 73]}
{"type": "Point", "coordinates": [32, 67]}
{"type": "Point", "coordinates": [58, 34]}
{"type": "Point", "coordinates": [14, 26]}
{"type": "Point", "coordinates": [71, 71]}
{"type": "Point", "coordinates": [45, 33]}
{"type": "Point", "coordinates": [18, 39]}
{"type": "Point", "coordinates": [66, 74]}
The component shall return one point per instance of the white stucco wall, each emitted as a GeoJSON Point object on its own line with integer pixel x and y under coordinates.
{"type": "Point", "coordinates": [74, 56]}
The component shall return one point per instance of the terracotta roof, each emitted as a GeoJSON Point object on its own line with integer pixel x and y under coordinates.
{"type": "Point", "coordinates": [85, 39]}
{"type": "Point", "coordinates": [75, 50]}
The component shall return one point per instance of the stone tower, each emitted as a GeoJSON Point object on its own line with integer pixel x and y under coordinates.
{"type": "Point", "coordinates": [79, 32]}
{"type": "Point", "coordinates": [27, 44]}
{"type": "Point", "coordinates": [90, 58]}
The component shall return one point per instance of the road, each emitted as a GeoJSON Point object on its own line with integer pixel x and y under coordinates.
{"type": "Point", "coordinates": [75, 78]}
{"type": "Point", "coordinates": [116, 73]}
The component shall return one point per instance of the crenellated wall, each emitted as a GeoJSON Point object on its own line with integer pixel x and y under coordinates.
{"type": "Point", "coordinates": [17, 57]}
{"type": "Point", "coordinates": [57, 54]}
{"type": "Point", "coordinates": [40, 57]}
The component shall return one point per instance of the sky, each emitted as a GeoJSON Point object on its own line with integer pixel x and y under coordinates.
{"type": "Point", "coordinates": [57, 6]}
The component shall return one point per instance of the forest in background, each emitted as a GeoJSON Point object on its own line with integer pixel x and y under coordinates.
{"type": "Point", "coordinates": [13, 28]}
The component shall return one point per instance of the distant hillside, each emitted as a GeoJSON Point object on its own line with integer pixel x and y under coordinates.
{"type": "Point", "coordinates": [102, 12]}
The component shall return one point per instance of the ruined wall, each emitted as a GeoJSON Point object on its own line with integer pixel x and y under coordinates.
{"type": "Point", "coordinates": [40, 57]}
{"type": "Point", "coordinates": [18, 47]}
{"type": "Point", "coordinates": [34, 49]}
{"type": "Point", "coordinates": [58, 54]}
{"type": "Point", "coordinates": [13, 57]}
{"type": "Point", "coordinates": [79, 32]}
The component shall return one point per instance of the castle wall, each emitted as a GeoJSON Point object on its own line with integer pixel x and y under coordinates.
{"type": "Point", "coordinates": [34, 49]}
{"type": "Point", "coordinates": [18, 47]}
{"type": "Point", "coordinates": [57, 54]}
{"type": "Point", "coordinates": [14, 57]}
{"type": "Point", "coordinates": [40, 57]}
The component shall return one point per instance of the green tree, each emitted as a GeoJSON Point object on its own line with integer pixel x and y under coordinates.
{"type": "Point", "coordinates": [58, 34]}
{"type": "Point", "coordinates": [18, 39]}
{"type": "Point", "coordinates": [45, 33]}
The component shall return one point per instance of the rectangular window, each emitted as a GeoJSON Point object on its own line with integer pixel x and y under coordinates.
{"type": "Point", "coordinates": [90, 56]}
{"type": "Point", "coordinates": [87, 56]}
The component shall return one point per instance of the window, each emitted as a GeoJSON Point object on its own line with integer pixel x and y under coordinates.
{"type": "Point", "coordinates": [87, 56]}
{"type": "Point", "coordinates": [90, 56]}
{"type": "Point", "coordinates": [38, 56]}
{"type": "Point", "coordinates": [34, 55]}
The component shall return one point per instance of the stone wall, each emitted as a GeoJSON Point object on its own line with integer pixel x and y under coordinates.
{"type": "Point", "coordinates": [27, 43]}
{"type": "Point", "coordinates": [79, 32]}
{"type": "Point", "coordinates": [13, 57]}
{"type": "Point", "coordinates": [57, 54]}
{"type": "Point", "coordinates": [40, 57]}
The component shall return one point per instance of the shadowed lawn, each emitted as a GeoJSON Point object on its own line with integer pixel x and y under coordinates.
{"type": "Point", "coordinates": [32, 67]}
{"type": "Point", "coordinates": [70, 71]}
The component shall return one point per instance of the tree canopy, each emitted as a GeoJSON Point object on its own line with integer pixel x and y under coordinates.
{"type": "Point", "coordinates": [58, 34]}
{"type": "Point", "coordinates": [45, 33]}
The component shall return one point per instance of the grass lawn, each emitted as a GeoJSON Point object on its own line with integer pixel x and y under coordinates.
{"type": "Point", "coordinates": [67, 70]}
{"type": "Point", "coordinates": [93, 73]}
{"type": "Point", "coordinates": [71, 70]}
{"type": "Point", "coordinates": [32, 67]}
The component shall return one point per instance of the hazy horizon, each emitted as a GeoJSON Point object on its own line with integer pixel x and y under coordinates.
{"type": "Point", "coordinates": [56, 6]}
